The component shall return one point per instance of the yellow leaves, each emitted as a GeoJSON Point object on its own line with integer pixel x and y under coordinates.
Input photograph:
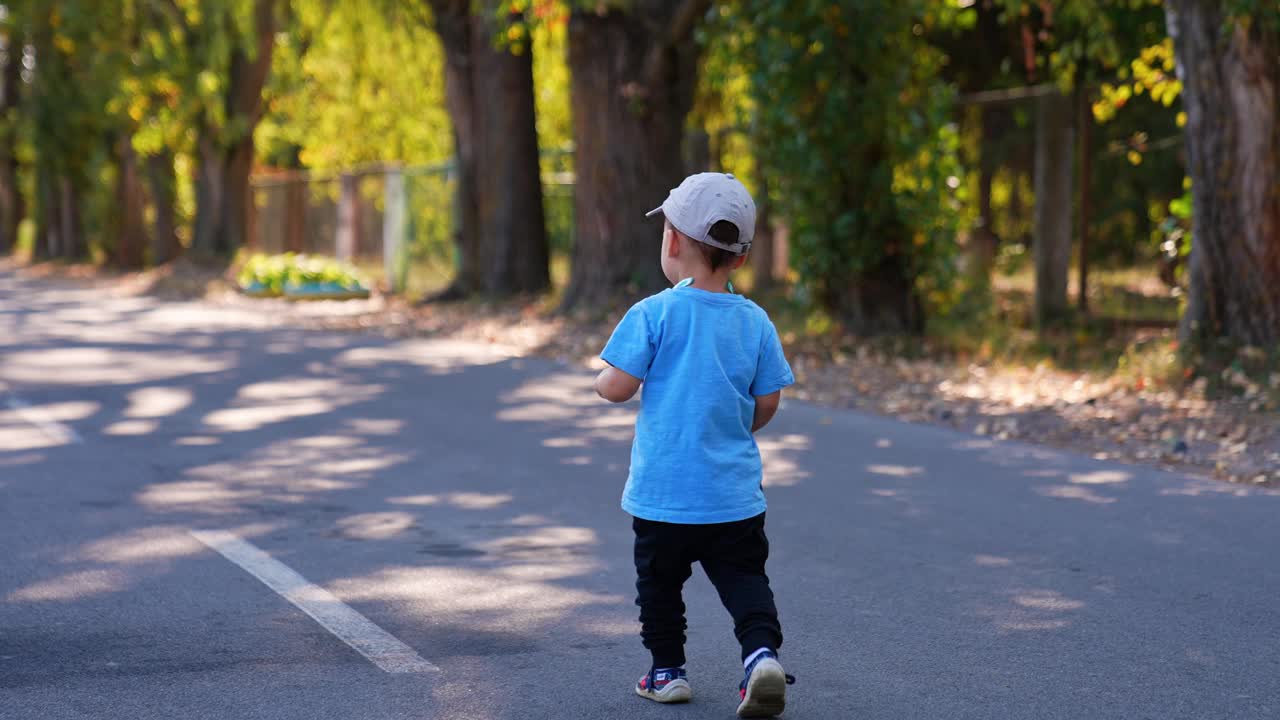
{"type": "Point", "coordinates": [1134, 157]}
{"type": "Point", "coordinates": [64, 44]}
{"type": "Point", "coordinates": [1151, 72]}
{"type": "Point", "coordinates": [207, 81]}
{"type": "Point", "coordinates": [1181, 119]}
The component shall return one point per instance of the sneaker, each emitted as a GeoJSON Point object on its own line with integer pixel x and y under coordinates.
{"type": "Point", "coordinates": [666, 685]}
{"type": "Point", "coordinates": [764, 689]}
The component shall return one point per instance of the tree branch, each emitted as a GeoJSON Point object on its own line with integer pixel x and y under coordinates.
{"type": "Point", "coordinates": [175, 13]}
{"type": "Point", "coordinates": [678, 30]}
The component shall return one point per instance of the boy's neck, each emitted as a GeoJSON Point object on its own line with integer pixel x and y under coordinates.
{"type": "Point", "coordinates": [705, 279]}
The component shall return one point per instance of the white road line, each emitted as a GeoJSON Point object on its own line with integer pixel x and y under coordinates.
{"type": "Point", "coordinates": [379, 646]}
{"type": "Point", "coordinates": [33, 415]}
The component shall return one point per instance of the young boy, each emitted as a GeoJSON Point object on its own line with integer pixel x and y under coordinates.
{"type": "Point", "coordinates": [713, 370]}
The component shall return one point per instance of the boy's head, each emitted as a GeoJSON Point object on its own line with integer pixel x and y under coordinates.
{"type": "Point", "coordinates": [716, 213]}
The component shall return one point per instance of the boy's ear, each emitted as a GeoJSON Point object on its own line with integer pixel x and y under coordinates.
{"type": "Point", "coordinates": [673, 242]}
{"type": "Point", "coordinates": [739, 261]}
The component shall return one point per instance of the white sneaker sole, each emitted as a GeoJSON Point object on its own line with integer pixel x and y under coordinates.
{"type": "Point", "coordinates": [676, 691]}
{"type": "Point", "coordinates": [766, 691]}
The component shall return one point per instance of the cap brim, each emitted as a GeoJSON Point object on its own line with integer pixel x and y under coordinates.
{"type": "Point", "coordinates": [654, 211]}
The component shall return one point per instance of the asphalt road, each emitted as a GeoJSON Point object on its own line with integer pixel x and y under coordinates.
{"type": "Point", "coordinates": [464, 503]}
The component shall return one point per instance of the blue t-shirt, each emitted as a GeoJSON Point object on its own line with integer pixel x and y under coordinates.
{"type": "Point", "coordinates": [704, 357]}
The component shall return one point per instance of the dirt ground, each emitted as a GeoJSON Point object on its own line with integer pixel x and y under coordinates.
{"type": "Point", "coordinates": [1234, 438]}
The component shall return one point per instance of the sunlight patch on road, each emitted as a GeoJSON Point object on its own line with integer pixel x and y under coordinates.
{"type": "Point", "coordinates": [71, 586]}
{"type": "Point", "coordinates": [143, 545]}
{"type": "Point", "coordinates": [781, 469]}
{"type": "Point", "coordinates": [537, 412]}
{"type": "Point", "coordinates": [128, 428]}
{"type": "Point", "coordinates": [260, 404]}
{"type": "Point", "coordinates": [106, 366]}
{"type": "Point", "coordinates": [1101, 477]}
{"type": "Point", "coordinates": [437, 355]}
{"type": "Point", "coordinates": [1031, 610]}
{"type": "Point", "coordinates": [24, 426]}
{"type": "Point", "coordinates": [1074, 492]}
{"type": "Point", "coordinates": [375, 525]}
{"type": "Point", "coordinates": [459, 500]}
{"type": "Point", "coordinates": [371, 426]}
{"type": "Point", "coordinates": [901, 471]}
{"type": "Point", "coordinates": [158, 402]}
{"type": "Point", "coordinates": [197, 441]}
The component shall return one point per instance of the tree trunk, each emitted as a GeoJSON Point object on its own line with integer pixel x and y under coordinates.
{"type": "Point", "coordinates": [512, 224]}
{"type": "Point", "coordinates": [453, 25]}
{"type": "Point", "coordinates": [11, 205]}
{"type": "Point", "coordinates": [1052, 245]}
{"type": "Point", "coordinates": [59, 233]}
{"type": "Point", "coordinates": [129, 224]}
{"type": "Point", "coordinates": [162, 182]}
{"type": "Point", "coordinates": [499, 225]}
{"type": "Point", "coordinates": [1231, 92]}
{"type": "Point", "coordinates": [1084, 121]}
{"type": "Point", "coordinates": [881, 300]}
{"type": "Point", "coordinates": [633, 77]}
{"type": "Point", "coordinates": [222, 178]}
{"type": "Point", "coordinates": [763, 254]}
{"type": "Point", "coordinates": [983, 242]}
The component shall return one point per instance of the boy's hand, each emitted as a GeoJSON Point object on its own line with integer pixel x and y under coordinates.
{"type": "Point", "coordinates": [766, 406]}
{"type": "Point", "coordinates": [615, 385]}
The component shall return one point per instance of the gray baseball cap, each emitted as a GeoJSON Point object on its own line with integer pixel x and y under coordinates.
{"type": "Point", "coordinates": [704, 199]}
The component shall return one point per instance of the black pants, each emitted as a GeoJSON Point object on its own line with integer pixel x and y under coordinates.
{"type": "Point", "coordinates": [733, 556]}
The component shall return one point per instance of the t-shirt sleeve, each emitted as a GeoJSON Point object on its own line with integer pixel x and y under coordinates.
{"type": "Point", "coordinates": [631, 347]}
{"type": "Point", "coordinates": [772, 371]}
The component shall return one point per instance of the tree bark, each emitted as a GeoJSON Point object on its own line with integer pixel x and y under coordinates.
{"type": "Point", "coordinates": [222, 177]}
{"type": "Point", "coordinates": [59, 233]}
{"type": "Point", "coordinates": [129, 224]}
{"type": "Point", "coordinates": [453, 25]}
{"type": "Point", "coordinates": [1085, 122]}
{"type": "Point", "coordinates": [499, 226]}
{"type": "Point", "coordinates": [881, 300]}
{"type": "Point", "coordinates": [633, 78]}
{"type": "Point", "coordinates": [983, 242]}
{"type": "Point", "coordinates": [162, 183]}
{"type": "Point", "coordinates": [1052, 244]}
{"type": "Point", "coordinates": [512, 223]}
{"type": "Point", "coordinates": [763, 254]}
{"type": "Point", "coordinates": [11, 204]}
{"type": "Point", "coordinates": [1230, 74]}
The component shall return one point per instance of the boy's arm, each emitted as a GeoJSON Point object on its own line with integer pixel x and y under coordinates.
{"type": "Point", "coordinates": [766, 406]}
{"type": "Point", "coordinates": [615, 385]}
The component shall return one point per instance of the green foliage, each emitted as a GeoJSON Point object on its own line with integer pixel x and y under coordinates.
{"type": "Point", "coordinates": [274, 274]}
{"type": "Point", "coordinates": [354, 84]}
{"type": "Point", "coordinates": [1088, 39]}
{"type": "Point", "coordinates": [855, 137]}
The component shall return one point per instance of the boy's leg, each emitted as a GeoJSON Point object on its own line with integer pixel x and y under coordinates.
{"type": "Point", "coordinates": [734, 556]}
{"type": "Point", "coordinates": [662, 567]}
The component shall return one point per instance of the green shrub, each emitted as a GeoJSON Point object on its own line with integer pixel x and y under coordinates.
{"type": "Point", "coordinates": [272, 274]}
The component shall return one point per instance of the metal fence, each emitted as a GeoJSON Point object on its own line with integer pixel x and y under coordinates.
{"type": "Point", "coordinates": [394, 223]}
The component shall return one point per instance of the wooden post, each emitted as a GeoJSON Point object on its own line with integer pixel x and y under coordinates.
{"type": "Point", "coordinates": [393, 217]}
{"type": "Point", "coordinates": [1052, 251]}
{"type": "Point", "coordinates": [1085, 123]}
{"type": "Point", "coordinates": [344, 245]}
